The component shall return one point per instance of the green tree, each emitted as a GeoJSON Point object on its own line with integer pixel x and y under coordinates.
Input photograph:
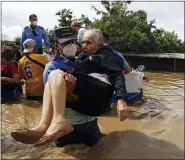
{"type": "Point", "coordinates": [130, 31]}
{"type": "Point", "coordinates": [65, 17]}
{"type": "Point", "coordinates": [17, 40]}
{"type": "Point", "coordinates": [85, 21]}
{"type": "Point", "coordinates": [50, 34]}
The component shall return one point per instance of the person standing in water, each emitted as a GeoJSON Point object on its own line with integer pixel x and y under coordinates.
{"type": "Point", "coordinates": [31, 67]}
{"type": "Point", "coordinates": [126, 67]}
{"type": "Point", "coordinates": [83, 92]}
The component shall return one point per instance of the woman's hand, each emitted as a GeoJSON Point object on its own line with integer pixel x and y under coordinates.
{"type": "Point", "coordinates": [122, 109]}
{"type": "Point", "coordinates": [70, 85]}
{"type": "Point", "coordinates": [70, 82]}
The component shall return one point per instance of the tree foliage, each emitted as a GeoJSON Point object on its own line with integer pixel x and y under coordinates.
{"type": "Point", "coordinates": [130, 31]}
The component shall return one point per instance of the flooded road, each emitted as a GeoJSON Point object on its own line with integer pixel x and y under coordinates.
{"type": "Point", "coordinates": [154, 129]}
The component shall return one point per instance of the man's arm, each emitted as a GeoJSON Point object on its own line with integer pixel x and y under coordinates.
{"type": "Point", "coordinates": [46, 38]}
{"type": "Point", "coordinates": [15, 74]}
{"type": "Point", "coordinates": [126, 67]}
{"type": "Point", "coordinates": [15, 79]}
{"type": "Point", "coordinates": [23, 38]}
{"type": "Point", "coordinates": [49, 67]}
{"type": "Point", "coordinates": [114, 64]}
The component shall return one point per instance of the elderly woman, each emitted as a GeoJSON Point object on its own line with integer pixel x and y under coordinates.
{"type": "Point", "coordinates": [88, 89]}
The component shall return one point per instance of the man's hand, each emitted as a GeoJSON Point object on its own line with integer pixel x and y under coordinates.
{"type": "Point", "coordinates": [122, 109]}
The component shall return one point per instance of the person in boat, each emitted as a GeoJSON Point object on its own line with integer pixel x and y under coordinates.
{"type": "Point", "coordinates": [35, 32]}
{"type": "Point", "coordinates": [126, 67]}
{"type": "Point", "coordinates": [83, 91]}
{"type": "Point", "coordinates": [10, 77]}
{"type": "Point", "coordinates": [31, 67]}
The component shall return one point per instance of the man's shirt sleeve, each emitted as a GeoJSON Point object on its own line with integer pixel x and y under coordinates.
{"type": "Point", "coordinates": [23, 38]}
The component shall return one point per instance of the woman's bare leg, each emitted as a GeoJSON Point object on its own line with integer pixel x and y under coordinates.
{"type": "Point", "coordinates": [47, 111]}
{"type": "Point", "coordinates": [33, 135]}
{"type": "Point", "coordinates": [59, 126]}
{"type": "Point", "coordinates": [58, 91]}
{"type": "Point", "coordinates": [52, 114]}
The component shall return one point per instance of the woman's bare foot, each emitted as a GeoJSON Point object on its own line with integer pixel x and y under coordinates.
{"type": "Point", "coordinates": [54, 132]}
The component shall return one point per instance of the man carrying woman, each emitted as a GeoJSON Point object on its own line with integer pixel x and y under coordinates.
{"type": "Point", "coordinates": [87, 88]}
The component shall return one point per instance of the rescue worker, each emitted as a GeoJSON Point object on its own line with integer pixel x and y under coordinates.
{"type": "Point", "coordinates": [65, 52]}
{"type": "Point", "coordinates": [126, 67]}
{"type": "Point", "coordinates": [31, 67]}
{"type": "Point", "coordinates": [88, 95]}
{"type": "Point", "coordinates": [35, 32]}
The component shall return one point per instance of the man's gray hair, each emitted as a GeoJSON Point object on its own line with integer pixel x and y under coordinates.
{"type": "Point", "coordinates": [96, 34]}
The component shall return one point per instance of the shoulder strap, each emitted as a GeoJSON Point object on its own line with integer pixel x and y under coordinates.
{"type": "Point", "coordinates": [34, 61]}
{"type": "Point", "coordinates": [26, 27]}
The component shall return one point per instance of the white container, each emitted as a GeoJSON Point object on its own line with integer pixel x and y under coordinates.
{"type": "Point", "coordinates": [134, 81]}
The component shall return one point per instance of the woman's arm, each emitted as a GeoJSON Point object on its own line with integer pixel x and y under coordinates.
{"type": "Point", "coordinates": [113, 67]}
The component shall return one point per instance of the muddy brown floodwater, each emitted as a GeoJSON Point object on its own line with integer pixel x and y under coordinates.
{"type": "Point", "coordinates": [154, 129]}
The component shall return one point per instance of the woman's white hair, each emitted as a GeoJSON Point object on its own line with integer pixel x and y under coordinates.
{"type": "Point", "coordinates": [96, 34]}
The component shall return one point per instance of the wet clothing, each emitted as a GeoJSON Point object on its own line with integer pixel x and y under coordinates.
{"type": "Point", "coordinates": [9, 70]}
{"type": "Point", "coordinates": [85, 131]}
{"type": "Point", "coordinates": [36, 33]}
{"type": "Point", "coordinates": [33, 74]}
{"type": "Point", "coordinates": [9, 90]}
{"type": "Point", "coordinates": [95, 95]}
{"type": "Point", "coordinates": [35, 98]}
